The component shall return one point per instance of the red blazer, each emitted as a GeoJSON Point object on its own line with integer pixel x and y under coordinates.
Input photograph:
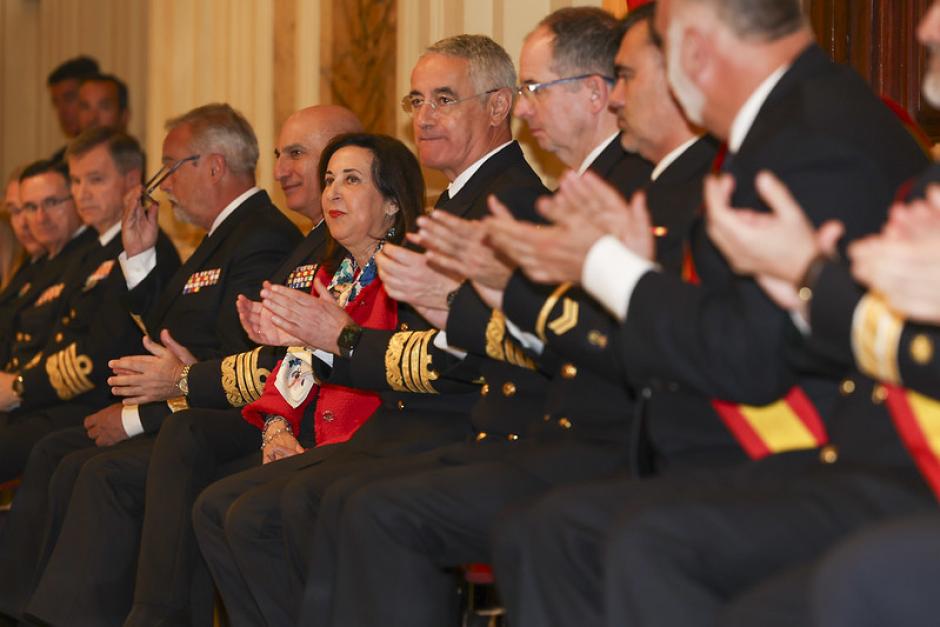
{"type": "Point", "coordinates": [340, 411]}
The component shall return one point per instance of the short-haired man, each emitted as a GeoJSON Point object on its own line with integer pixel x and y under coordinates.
{"type": "Point", "coordinates": [460, 101]}
{"type": "Point", "coordinates": [20, 283]}
{"type": "Point", "coordinates": [67, 380]}
{"type": "Point", "coordinates": [209, 158]}
{"type": "Point", "coordinates": [103, 101]}
{"type": "Point", "coordinates": [788, 109]}
{"type": "Point", "coordinates": [53, 221]}
{"type": "Point", "coordinates": [63, 83]}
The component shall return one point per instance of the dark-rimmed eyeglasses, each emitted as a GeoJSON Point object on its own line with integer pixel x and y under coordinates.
{"type": "Point", "coordinates": [161, 175]}
{"type": "Point", "coordinates": [47, 204]}
{"type": "Point", "coordinates": [411, 103]}
{"type": "Point", "coordinates": [533, 89]}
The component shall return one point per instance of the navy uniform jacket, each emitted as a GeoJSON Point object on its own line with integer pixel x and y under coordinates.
{"type": "Point", "coordinates": [843, 154]}
{"type": "Point", "coordinates": [197, 302]}
{"type": "Point", "coordinates": [15, 290]}
{"type": "Point", "coordinates": [94, 328]}
{"type": "Point", "coordinates": [238, 379]}
{"type": "Point", "coordinates": [589, 408]}
{"type": "Point", "coordinates": [42, 305]}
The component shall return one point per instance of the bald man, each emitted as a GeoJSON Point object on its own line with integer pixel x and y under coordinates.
{"type": "Point", "coordinates": [194, 447]}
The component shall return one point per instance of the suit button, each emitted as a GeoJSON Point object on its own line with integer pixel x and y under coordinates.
{"type": "Point", "coordinates": [829, 454]}
{"type": "Point", "coordinates": [564, 423]}
{"type": "Point", "coordinates": [403, 326]}
{"type": "Point", "coordinates": [72, 313]}
{"type": "Point", "coordinates": [481, 436]}
{"type": "Point", "coordinates": [58, 337]}
{"type": "Point", "coordinates": [547, 417]}
{"type": "Point", "coordinates": [65, 319]}
{"type": "Point", "coordinates": [647, 393]}
{"type": "Point", "coordinates": [878, 394]}
{"type": "Point", "coordinates": [19, 337]}
{"type": "Point", "coordinates": [27, 337]}
{"type": "Point", "coordinates": [328, 416]}
{"type": "Point", "coordinates": [401, 404]}
{"type": "Point", "coordinates": [512, 437]}
{"type": "Point", "coordinates": [569, 371]}
{"type": "Point", "coordinates": [846, 387]}
{"type": "Point", "coordinates": [485, 389]}
{"type": "Point", "coordinates": [15, 362]}
{"type": "Point", "coordinates": [509, 388]}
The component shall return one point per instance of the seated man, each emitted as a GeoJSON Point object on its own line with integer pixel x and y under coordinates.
{"type": "Point", "coordinates": [67, 380]}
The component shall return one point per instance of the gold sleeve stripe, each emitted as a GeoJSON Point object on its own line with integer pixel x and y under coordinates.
{"type": "Point", "coordinates": [393, 353]}
{"type": "Point", "coordinates": [516, 356]}
{"type": "Point", "coordinates": [408, 362]}
{"type": "Point", "coordinates": [242, 379]}
{"type": "Point", "coordinates": [68, 372]}
{"type": "Point", "coordinates": [495, 332]}
{"type": "Point", "coordinates": [876, 333]}
{"type": "Point", "coordinates": [232, 394]}
{"type": "Point", "coordinates": [547, 309]}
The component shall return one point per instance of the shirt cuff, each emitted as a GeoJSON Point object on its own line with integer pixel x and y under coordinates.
{"type": "Point", "coordinates": [528, 341]}
{"type": "Point", "coordinates": [137, 268]}
{"type": "Point", "coordinates": [130, 418]}
{"type": "Point", "coordinates": [440, 342]}
{"type": "Point", "coordinates": [324, 356]}
{"type": "Point", "coordinates": [611, 272]}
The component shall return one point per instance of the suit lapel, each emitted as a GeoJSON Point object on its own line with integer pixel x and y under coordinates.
{"type": "Point", "coordinates": [209, 245]}
{"type": "Point", "coordinates": [311, 245]}
{"type": "Point", "coordinates": [479, 183]}
{"type": "Point", "coordinates": [605, 162]}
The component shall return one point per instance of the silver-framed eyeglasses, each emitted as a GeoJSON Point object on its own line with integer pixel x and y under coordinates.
{"type": "Point", "coordinates": [411, 103]}
{"type": "Point", "coordinates": [161, 175]}
{"type": "Point", "coordinates": [533, 89]}
{"type": "Point", "coordinates": [47, 204]}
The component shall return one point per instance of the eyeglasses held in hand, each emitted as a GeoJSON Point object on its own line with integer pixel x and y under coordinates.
{"type": "Point", "coordinates": [161, 175]}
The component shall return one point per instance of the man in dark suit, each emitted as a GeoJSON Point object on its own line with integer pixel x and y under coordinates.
{"type": "Point", "coordinates": [68, 380]}
{"type": "Point", "coordinates": [460, 101]}
{"type": "Point", "coordinates": [713, 340]}
{"type": "Point", "coordinates": [33, 262]}
{"type": "Point", "coordinates": [210, 154]}
{"type": "Point", "coordinates": [194, 446]}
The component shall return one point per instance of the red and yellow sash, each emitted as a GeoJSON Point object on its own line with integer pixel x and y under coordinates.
{"type": "Point", "coordinates": [917, 419]}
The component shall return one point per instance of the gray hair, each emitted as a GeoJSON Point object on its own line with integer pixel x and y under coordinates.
{"type": "Point", "coordinates": [124, 149]}
{"type": "Point", "coordinates": [490, 65]}
{"type": "Point", "coordinates": [586, 40]}
{"type": "Point", "coordinates": [218, 128]}
{"type": "Point", "coordinates": [760, 20]}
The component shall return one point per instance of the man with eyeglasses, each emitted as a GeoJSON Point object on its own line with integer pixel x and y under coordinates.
{"type": "Point", "coordinates": [19, 285]}
{"type": "Point", "coordinates": [67, 381]}
{"type": "Point", "coordinates": [247, 239]}
{"type": "Point", "coordinates": [51, 218]}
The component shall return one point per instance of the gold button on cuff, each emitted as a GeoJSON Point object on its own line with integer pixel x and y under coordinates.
{"type": "Point", "coordinates": [805, 294]}
{"type": "Point", "coordinates": [829, 454]}
{"type": "Point", "coordinates": [846, 387]}
{"type": "Point", "coordinates": [58, 337]}
{"type": "Point", "coordinates": [564, 423]}
{"type": "Point", "coordinates": [485, 389]}
{"type": "Point", "coordinates": [403, 326]}
{"type": "Point", "coordinates": [509, 388]}
{"type": "Point", "coordinates": [481, 436]}
{"type": "Point", "coordinates": [401, 404]}
{"type": "Point", "coordinates": [569, 371]}
{"type": "Point", "coordinates": [921, 349]}
{"type": "Point", "coordinates": [512, 437]}
{"type": "Point", "coordinates": [878, 394]}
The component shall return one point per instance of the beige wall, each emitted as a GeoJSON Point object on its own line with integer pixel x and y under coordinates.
{"type": "Point", "coordinates": [178, 54]}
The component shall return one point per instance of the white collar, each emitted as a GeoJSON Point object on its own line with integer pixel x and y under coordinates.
{"type": "Point", "coordinates": [746, 115]}
{"type": "Point", "coordinates": [232, 206]}
{"type": "Point", "coordinates": [674, 154]}
{"type": "Point", "coordinates": [594, 154]}
{"type": "Point", "coordinates": [105, 238]}
{"type": "Point", "coordinates": [457, 184]}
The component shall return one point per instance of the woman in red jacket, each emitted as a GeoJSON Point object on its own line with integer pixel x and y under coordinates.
{"type": "Point", "coordinates": [372, 193]}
